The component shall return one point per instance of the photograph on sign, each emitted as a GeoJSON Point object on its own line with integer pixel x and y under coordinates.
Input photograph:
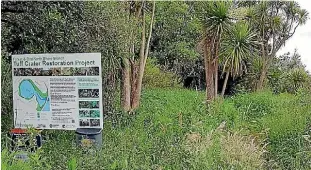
{"type": "Point", "coordinates": [57, 91]}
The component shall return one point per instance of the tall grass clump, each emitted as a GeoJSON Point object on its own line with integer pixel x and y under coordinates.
{"type": "Point", "coordinates": [221, 149]}
{"type": "Point", "coordinates": [242, 152]}
{"type": "Point", "coordinates": [254, 105]}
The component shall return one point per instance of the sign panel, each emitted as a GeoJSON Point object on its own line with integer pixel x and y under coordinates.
{"type": "Point", "coordinates": [57, 91]}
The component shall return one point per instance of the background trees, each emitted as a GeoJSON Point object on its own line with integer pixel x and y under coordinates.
{"type": "Point", "coordinates": [67, 27]}
{"type": "Point", "coordinates": [176, 32]}
{"type": "Point", "coordinates": [276, 22]}
{"type": "Point", "coordinates": [203, 44]}
{"type": "Point", "coordinates": [288, 74]}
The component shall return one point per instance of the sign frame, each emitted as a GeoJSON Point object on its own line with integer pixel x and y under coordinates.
{"type": "Point", "coordinates": [57, 90]}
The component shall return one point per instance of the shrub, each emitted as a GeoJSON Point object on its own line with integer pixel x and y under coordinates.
{"type": "Point", "coordinates": [155, 77]}
{"type": "Point", "coordinates": [6, 95]}
{"type": "Point", "coordinates": [34, 162]}
{"type": "Point", "coordinates": [293, 80]}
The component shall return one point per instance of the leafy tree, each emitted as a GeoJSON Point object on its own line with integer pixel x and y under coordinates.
{"type": "Point", "coordinates": [276, 22]}
{"type": "Point", "coordinates": [295, 79]}
{"type": "Point", "coordinates": [287, 73]}
{"type": "Point", "coordinates": [290, 61]}
{"type": "Point", "coordinates": [39, 27]}
{"type": "Point", "coordinates": [106, 29]}
{"type": "Point", "coordinates": [174, 39]}
{"type": "Point", "coordinates": [236, 48]}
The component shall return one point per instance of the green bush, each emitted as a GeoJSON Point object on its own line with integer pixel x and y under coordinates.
{"type": "Point", "coordinates": [291, 81]}
{"type": "Point", "coordinates": [6, 95]}
{"type": "Point", "coordinates": [155, 77]}
{"type": "Point", "coordinates": [34, 162]}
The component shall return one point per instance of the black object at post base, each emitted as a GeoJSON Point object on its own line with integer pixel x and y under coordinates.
{"type": "Point", "coordinates": [89, 137]}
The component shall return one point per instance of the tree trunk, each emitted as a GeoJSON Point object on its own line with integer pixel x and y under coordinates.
{"type": "Point", "coordinates": [143, 54]}
{"type": "Point", "coordinates": [150, 33]}
{"type": "Point", "coordinates": [216, 64]}
{"type": "Point", "coordinates": [208, 72]}
{"type": "Point", "coordinates": [225, 84]}
{"type": "Point", "coordinates": [210, 81]}
{"type": "Point", "coordinates": [128, 68]}
{"type": "Point", "coordinates": [125, 86]}
{"type": "Point", "coordinates": [134, 71]}
{"type": "Point", "coordinates": [262, 77]}
{"type": "Point", "coordinates": [216, 78]}
{"type": "Point", "coordinates": [137, 91]}
{"type": "Point", "coordinates": [264, 65]}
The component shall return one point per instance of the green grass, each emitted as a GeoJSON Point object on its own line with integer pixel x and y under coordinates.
{"type": "Point", "coordinates": [155, 137]}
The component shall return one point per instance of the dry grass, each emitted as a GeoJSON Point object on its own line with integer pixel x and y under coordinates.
{"type": "Point", "coordinates": [195, 143]}
{"type": "Point", "coordinates": [236, 151]}
{"type": "Point", "coordinates": [242, 151]}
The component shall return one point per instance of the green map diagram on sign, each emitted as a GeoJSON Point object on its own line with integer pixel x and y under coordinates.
{"type": "Point", "coordinates": [28, 90]}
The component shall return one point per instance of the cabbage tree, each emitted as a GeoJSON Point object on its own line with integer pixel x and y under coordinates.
{"type": "Point", "coordinates": [215, 19]}
{"type": "Point", "coordinates": [237, 46]}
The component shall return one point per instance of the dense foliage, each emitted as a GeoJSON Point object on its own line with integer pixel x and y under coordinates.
{"type": "Point", "coordinates": [66, 27]}
{"type": "Point", "coordinates": [155, 77]}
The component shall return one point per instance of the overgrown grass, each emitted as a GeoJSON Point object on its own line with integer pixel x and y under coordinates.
{"type": "Point", "coordinates": [173, 130]}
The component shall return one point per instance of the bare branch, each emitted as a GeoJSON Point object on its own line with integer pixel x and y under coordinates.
{"type": "Point", "coordinates": [150, 32]}
{"type": "Point", "coordinates": [291, 34]}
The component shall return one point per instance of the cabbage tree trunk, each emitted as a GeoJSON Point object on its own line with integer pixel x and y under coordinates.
{"type": "Point", "coordinates": [209, 71]}
{"type": "Point", "coordinates": [225, 84]}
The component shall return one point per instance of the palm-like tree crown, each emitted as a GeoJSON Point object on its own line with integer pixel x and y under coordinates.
{"type": "Point", "coordinates": [216, 20]}
{"type": "Point", "coordinates": [240, 43]}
